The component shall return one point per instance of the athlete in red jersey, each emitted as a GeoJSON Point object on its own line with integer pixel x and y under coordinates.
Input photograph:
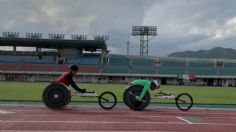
{"type": "Point", "coordinates": [67, 78]}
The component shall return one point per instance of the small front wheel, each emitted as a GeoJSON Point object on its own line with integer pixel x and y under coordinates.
{"type": "Point", "coordinates": [107, 100]}
{"type": "Point", "coordinates": [184, 101]}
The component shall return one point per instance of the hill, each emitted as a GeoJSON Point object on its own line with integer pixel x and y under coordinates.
{"type": "Point", "coordinates": [217, 52]}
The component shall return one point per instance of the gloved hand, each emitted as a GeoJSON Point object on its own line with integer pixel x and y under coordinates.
{"type": "Point", "coordinates": [82, 91]}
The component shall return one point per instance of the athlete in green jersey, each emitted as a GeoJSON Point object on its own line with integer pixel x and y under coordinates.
{"type": "Point", "coordinates": [146, 85]}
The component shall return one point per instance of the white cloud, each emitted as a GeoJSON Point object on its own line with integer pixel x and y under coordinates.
{"type": "Point", "coordinates": [182, 24]}
{"type": "Point", "coordinates": [192, 25]}
{"type": "Point", "coordinates": [229, 29]}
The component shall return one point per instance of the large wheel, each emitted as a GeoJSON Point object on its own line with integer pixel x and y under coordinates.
{"type": "Point", "coordinates": [56, 96]}
{"type": "Point", "coordinates": [107, 100]}
{"type": "Point", "coordinates": [184, 101]}
{"type": "Point", "coordinates": [69, 99]}
{"type": "Point", "coordinates": [131, 101]}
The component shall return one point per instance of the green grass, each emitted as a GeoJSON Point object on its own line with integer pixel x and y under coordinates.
{"type": "Point", "coordinates": [202, 95]}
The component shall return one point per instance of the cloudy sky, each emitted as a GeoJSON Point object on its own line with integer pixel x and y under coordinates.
{"type": "Point", "coordinates": [182, 24]}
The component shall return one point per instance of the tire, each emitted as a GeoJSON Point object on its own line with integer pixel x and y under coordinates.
{"type": "Point", "coordinates": [56, 96]}
{"type": "Point", "coordinates": [132, 102]}
{"type": "Point", "coordinates": [69, 99]}
{"type": "Point", "coordinates": [107, 100]}
{"type": "Point", "coordinates": [184, 101]}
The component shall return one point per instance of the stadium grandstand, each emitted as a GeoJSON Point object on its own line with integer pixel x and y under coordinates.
{"type": "Point", "coordinates": [53, 55]}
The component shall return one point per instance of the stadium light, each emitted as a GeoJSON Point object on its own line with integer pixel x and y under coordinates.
{"type": "Point", "coordinates": [10, 34]}
{"type": "Point", "coordinates": [101, 37]}
{"type": "Point", "coordinates": [144, 34]}
{"type": "Point", "coordinates": [34, 35]}
{"type": "Point", "coordinates": [3, 34]}
{"type": "Point", "coordinates": [56, 36]}
{"type": "Point", "coordinates": [144, 30]}
{"type": "Point", "coordinates": [79, 37]}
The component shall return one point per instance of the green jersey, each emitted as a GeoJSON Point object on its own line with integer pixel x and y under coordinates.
{"type": "Point", "coordinates": [146, 85]}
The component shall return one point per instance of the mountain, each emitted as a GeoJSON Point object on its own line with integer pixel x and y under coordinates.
{"type": "Point", "coordinates": [217, 52]}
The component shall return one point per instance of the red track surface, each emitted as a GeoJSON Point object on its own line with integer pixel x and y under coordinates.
{"type": "Point", "coordinates": [37, 119]}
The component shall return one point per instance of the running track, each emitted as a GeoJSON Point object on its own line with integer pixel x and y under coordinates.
{"type": "Point", "coordinates": [42, 119]}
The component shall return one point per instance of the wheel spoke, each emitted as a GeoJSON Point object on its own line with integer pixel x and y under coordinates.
{"type": "Point", "coordinates": [182, 101]}
{"type": "Point", "coordinates": [107, 100]}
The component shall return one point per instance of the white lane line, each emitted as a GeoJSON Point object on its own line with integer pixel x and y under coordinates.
{"type": "Point", "coordinates": [105, 122]}
{"type": "Point", "coordinates": [185, 120]}
{"type": "Point", "coordinates": [116, 122]}
{"type": "Point", "coordinates": [216, 124]}
{"type": "Point", "coordinates": [71, 131]}
{"type": "Point", "coordinates": [131, 116]}
{"type": "Point", "coordinates": [5, 112]}
{"type": "Point", "coordinates": [149, 112]}
{"type": "Point", "coordinates": [101, 115]}
{"type": "Point", "coordinates": [94, 122]}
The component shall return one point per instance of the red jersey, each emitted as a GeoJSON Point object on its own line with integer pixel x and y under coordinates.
{"type": "Point", "coordinates": [65, 78]}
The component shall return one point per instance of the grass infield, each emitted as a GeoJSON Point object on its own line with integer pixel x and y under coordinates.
{"type": "Point", "coordinates": [25, 91]}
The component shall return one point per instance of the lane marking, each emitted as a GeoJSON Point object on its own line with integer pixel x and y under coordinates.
{"type": "Point", "coordinates": [151, 116]}
{"type": "Point", "coordinates": [95, 122]}
{"type": "Point", "coordinates": [91, 116]}
{"type": "Point", "coordinates": [149, 112]}
{"type": "Point", "coordinates": [216, 124]}
{"type": "Point", "coordinates": [71, 131]}
{"type": "Point", "coordinates": [185, 120]}
{"type": "Point", "coordinates": [5, 112]}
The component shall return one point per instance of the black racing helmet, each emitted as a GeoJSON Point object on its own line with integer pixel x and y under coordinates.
{"type": "Point", "coordinates": [74, 67]}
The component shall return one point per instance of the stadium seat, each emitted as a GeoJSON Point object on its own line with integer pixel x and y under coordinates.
{"type": "Point", "coordinates": [86, 59]}
{"type": "Point", "coordinates": [116, 69]}
{"type": "Point", "coordinates": [37, 67]}
{"type": "Point", "coordinates": [119, 61]}
{"type": "Point", "coordinates": [202, 64]}
{"type": "Point", "coordinates": [89, 69]}
{"type": "Point", "coordinates": [27, 59]}
{"type": "Point", "coordinates": [82, 68]}
{"type": "Point", "coordinates": [170, 63]}
{"type": "Point", "coordinates": [229, 65]}
{"type": "Point", "coordinates": [8, 67]}
{"type": "Point", "coordinates": [227, 71]}
{"type": "Point", "coordinates": [142, 62]}
{"type": "Point", "coordinates": [203, 71]}
{"type": "Point", "coordinates": [172, 70]}
{"type": "Point", "coordinates": [62, 68]}
{"type": "Point", "coordinates": [142, 70]}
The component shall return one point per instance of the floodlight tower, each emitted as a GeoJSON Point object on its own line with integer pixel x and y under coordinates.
{"type": "Point", "coordinates": [144, 34]}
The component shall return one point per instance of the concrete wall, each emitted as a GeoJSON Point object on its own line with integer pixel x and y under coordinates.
{"type": "Point", "coordinates": [117, 79]}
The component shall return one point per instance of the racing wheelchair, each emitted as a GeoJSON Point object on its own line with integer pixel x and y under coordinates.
{"type": "Point", "coordinates": [57, 95]}
{"type": "Point", "coordinates": [183, 101]}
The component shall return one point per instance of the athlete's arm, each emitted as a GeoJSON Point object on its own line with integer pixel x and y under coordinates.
{"type": "Point", "coordinates": [72, 83]}
{"type": "Point", "coordinates": [146, 85]}
{"type": "Point", "coordinates": [145, 89]}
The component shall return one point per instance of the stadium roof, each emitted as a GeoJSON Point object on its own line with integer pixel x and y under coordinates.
{"type": "Point", "coordinates": [54, 43]}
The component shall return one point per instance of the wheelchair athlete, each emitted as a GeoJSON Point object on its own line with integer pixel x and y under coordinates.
{"type": "Point", "coordinates": [67, 78]}
{"type": "Point", "coordinates": [146, 86]}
